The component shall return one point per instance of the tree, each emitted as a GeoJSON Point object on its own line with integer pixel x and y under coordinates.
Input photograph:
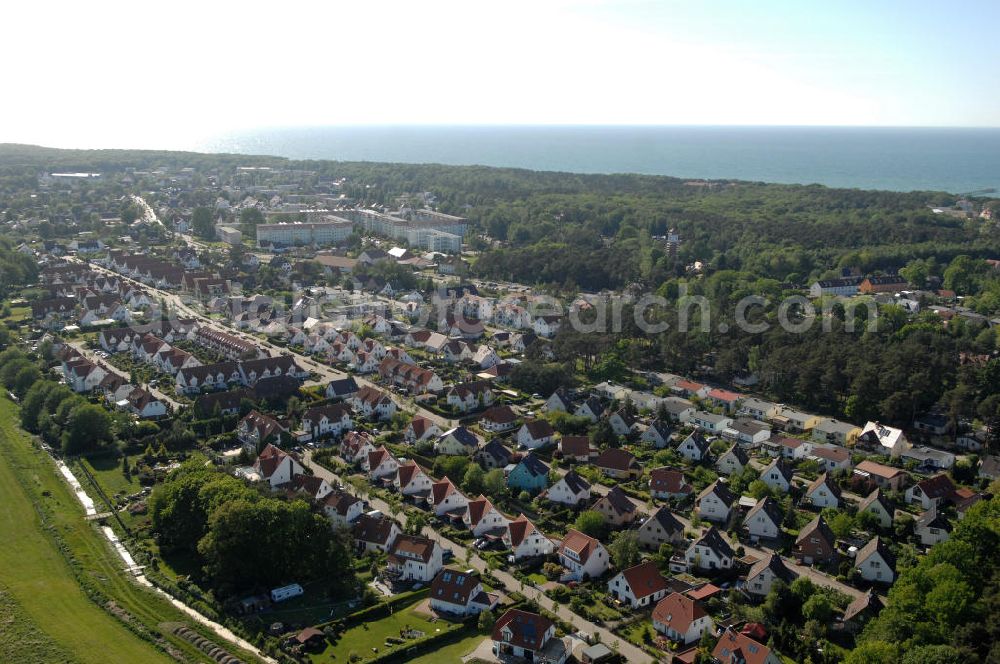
{"type": "Point", "coordinates": [87, 428]}
{"type": "Point", "coordinates": [494, 482]}
{"type": "Point", "coordinates": [203, 223]}
{"type": "Point", "coordinates": [819, 608]}
{"type": "Point", "coordinates": [486, 621]}
{"type": "Point", "coordinates": [591, 522]}
{"type": "Point", "coordinates": [473, 482]}
{"type": "Point", "coordinates": [624, 549]}
{"type": "Point", "coordinates": [24, 379]}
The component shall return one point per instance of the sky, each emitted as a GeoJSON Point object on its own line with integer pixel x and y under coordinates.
{"type": "Point", "coordinates": [157, 75]}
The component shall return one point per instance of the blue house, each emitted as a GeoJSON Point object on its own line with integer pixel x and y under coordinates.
{"type": "Point", "coordinates": [530, 475]}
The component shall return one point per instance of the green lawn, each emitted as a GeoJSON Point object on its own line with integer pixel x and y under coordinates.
{"type": "Point", "coordinates": [452, 653]}
{"type": "Point", "coordinates": [20, 638]}
{"type": "Point", "coordinates": [43, 593]}
{"type": "Point", "coordinates": [362, 638]}
{"type": "Point", "coordinates": [43, 587]}
{"type": "Point", "coordinates": [107, 470]}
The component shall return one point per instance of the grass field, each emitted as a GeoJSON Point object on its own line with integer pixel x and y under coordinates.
{"type": "Point", "coordinates": [107, 470]}
{"type": "Point", "coordinates": [20, 638]}
{"type": "Point", "coordinates": [45, 593]}
{"type": "Point", "coordinates": [362, 638]}
{"type": "Point", "coordinates": [451, 654]}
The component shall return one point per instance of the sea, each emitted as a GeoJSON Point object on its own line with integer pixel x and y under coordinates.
{"type": "Point", "coordinates": [956, 160]}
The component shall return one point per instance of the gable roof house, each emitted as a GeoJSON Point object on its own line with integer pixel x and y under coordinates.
{"type": "Point", "coordinates": [777, 475]}
{"type": "Point", "coordinates": [668, 483]}
{"type": "Point", "coordinates": [763, 520]}
{"type": "Point", "coordinates": [342, 508]}
{"type": "Point", "coordinates": [414, 558]}
{"type": "Point", "coordinates": [638, 586]}
{"type": "Point", "coordinates": [711, 422]}
{"type": "Point", "coordinates": [616, 508]}
{"type": "Point", "coordinates": [816, 543]}
{"type": "Point", "coordinates": [878, 505]}
{"type": "Point", "coordinates": [527, 636]}
{"type": "Point", "coordinates": [680, 618]}
{"type": "Point", "coordinates": [591, 408]}
{"type": "Point", "coordinates": [381, 463]}
{"type": "Point", "coordinates": [881, 439]}
{"type": "Point", "coordinates": [932, 527]}
{"type": "Point", "coordinates": [257, 430]}
{"type": "Point", "coordinates": [498, 419]}
{"type": "Point", "coordinates": [823, 492]}
{"type": "Point", "coordinates": [715, 502]}
{"type": "Point", "coordinates": [343, 388]}
{"type": "Point", "coordinates": [583, 556]}
{"type": "Point", "coordinates": [732, 461]}
{"type": "Point", "coordinates": [276, 467]}
{"type": "Point", "coordinates": [535, 434]}
{"type": "Point", "coordinates": [493, 455]}
{"type": "Point", "coordinates": [619, 464]}
{"type": "Point", "coordinates": [373, 404]}
{"type": "Point", "coordinates": [446, 498]}
{"type": "Point", "coordinates": [694, 448]}
{"type": "Point", "coordinates": [621, 422]}
{"type": "Point", "coordinates": [880, 475]}
{"type": "Point", "coordinates": [571, 489]}
{"type": "Point", "coordinates": [661, 528]}
{"type": "Point", "coordinates": [711, 551]}
{"type": "Point", "coordinates": [576, 448]}
{"type": "Point", "coordinates": [765, 572]}
{"type": "Point", "coordinates": [530, 474]}
{"type": "Point", "coordinates": [835, 432]}
{"type": "Point", "coordinates": [467, 397]}
{"type": "Point", "coordinates": [657, 434]}
{"type": "Point", "coordinates": [412, 480]}
{"type": "Point", "coordinates": [875, 562]}
{"type": "Point", "coordinates": [325, 421]}
{"type": "Point", "coordinates": [831, 457]}
{"type": "Point", "coordinates": [482, 517]}
{"type": "Point", "coordinates": [737, 648]}
{"type": "Point", "coordinates": [559, 401]}
{"type": "Point", "coordinates": [931, 492]}
{"type": "Point", "coordinates": [525, 541]}
{"type": "Point", "coordinates": [419, 429]}
{"type": "Point", "coordinates": [725, 399]}
{"type": "Point", "coordinates": [748, 432]}
{"type": "Point", "coordinates": [458, 441]}
{"type": "Point", "coordinates": [460, 593]}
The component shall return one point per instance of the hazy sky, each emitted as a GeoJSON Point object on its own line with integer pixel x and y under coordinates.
{"type": "Point", "coordinates": [142, 74]}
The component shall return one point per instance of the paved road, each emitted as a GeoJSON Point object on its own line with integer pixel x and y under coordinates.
{"type": "Point", "coordinates": [632, 653]}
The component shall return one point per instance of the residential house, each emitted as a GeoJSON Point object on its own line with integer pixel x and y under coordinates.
{"type": "Point", "coordinates": [457, 442]}
{"type": "Point", "coordinates": [758, 409]}
{"type": "Point", "coordinates": [931, 492]}
{"type": "Point", "coordinates": [831, 458]}
{"type": "Point", "coordinates": [932, 527]}
{"type": "Point", "coordinates": [688, 388]}
{"type": "Point", "coordinates": [794, 421]}
{"type": "Point", "coordinates": [861, 610]}
{"type": "Point", "coordinates": [710, 552]}
{"type": "Point", "coordinates": [571, 489]}
{"type": "Point", "coordinates": [257, 430]}
{"type": "Point", "coordinates": [878, 505]}
{"type": "Point", "coordinates": [355, 448]}
{"type": "Point", "coordinates": [715, 502]}
{"type": "Point", "coordinates": [875, 562]}
{"type": "Point", "coordinates": [482, 517]}
{"type": "Point", "coordinates": [460, 593]}
{"type": "Point", "coordinates": [657, 434]}
{"type": "Point", "coordinates": [711, 422]}
{"type": "Point", "coordinates": [668, 484]}
{"type": "Point", "coordinates": [446, 499]}
{"type": "Point", "coordinates": [276, 467]}
{"type": "Point", "coordinates": [763, 521]}
{"type": "Point", "coordinates": [412, 480]}
{"type": "Point", "coordinates": [342, 508]}
{"type": "Point", "coordinates": [694, 448]}
{"type": "Point", "coordinates": [882, 476]}
{"type": "Point", "coordinates": [765, 572]}
{"type": "Point", "coordinates": [823, 492]}
{"type": "Point", "coordinates": [748, 432]}
{"type": "Point", "coordinates": [616, 507]}
{"type": "Point", "coordinates": [498, 419]}
{"type": "Point", "coordinates": [583, 556]}
{"type": "Point", "coordinates": [535, 434]}
{"type": "Point", "coordinates": [591, 408]}
{"type": "Point", "coordinates": [622, 423]}
{"type": "Point", "coordinates": [325, 421]}
{"type": "Point", "coordinates": [493, 455]}
{"type": "Point", "coordinates": [788, 448]}
{"type": "Point", "coordinates": [883, 284]}
{"type": "Point", "coordinates": [619, 464]}
{"type": "Point", "coordinates": [344, 388]}
{"type": "Point", "coordinates": [736, 648]}
{"type": "Point", "coordinates": [373, 404]}
{"type": "Point", "coordinates": [525, 541]}
{"type": "Point", "coordinates": [732, 461]}
{"type": "Point", "coordinates": [468, 397]}
{"type": "Point", "coordinates": [638, 586]}
{"type": "Point", "coordinates": [530, 474]}
{"type": "Point", "coordinates": [724, 399]}
{"type": "Point", "coordinates": [382, 464]}
{"type": "Point", "coordinates": [678, 410]}
{"type": "Point", "coordinates": [661, 528]}
{"type": "Point", "coordinates": [559, 401]}
{"type": "Point", "coordinates": [682, 619]}
{"type": "Point", "coordinates": [420, 429]}
{"type": "Point", "coordinates": [576, 448]}
{"type": "Point", "coordinates": [414, 558]}
{"type": "Point", "coordinates": [880, 439]}
{"type": "Point", "coordinates": [523, 635]}
{"type": "Point", "coordinates": [816, 543]}
{"type": "Point", "coordinates": [777, 475]}
{"type": "Point", "coordinates": [835, 432]}
{"type": "Point", "coordinates": [928, 458]}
